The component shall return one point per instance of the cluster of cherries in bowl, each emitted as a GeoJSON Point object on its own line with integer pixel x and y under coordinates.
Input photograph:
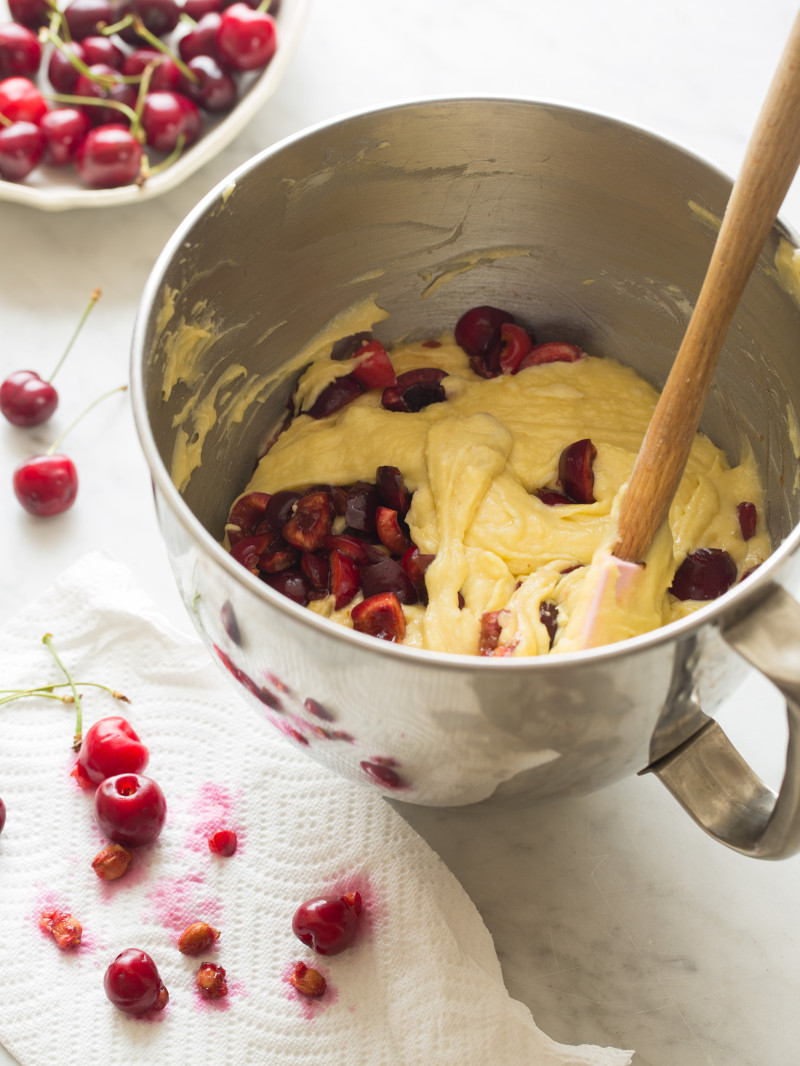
{"type": "Point", "coordinates": [339, 541]}
{"type": "Point", "coordinates": [287, 539]}
{"type": "Point", "coordinates": [138, 76]}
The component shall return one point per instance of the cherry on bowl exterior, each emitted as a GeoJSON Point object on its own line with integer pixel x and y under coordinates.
{"type": "Point", "coordinates": [130, 809]}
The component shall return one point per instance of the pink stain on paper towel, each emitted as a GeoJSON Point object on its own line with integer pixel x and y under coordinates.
{"type": "Point", "coordinates": [176, 902]}
{"type": "Point", "coordinates": [235, 988]}
{"type": "Point", "coordinates": [214, 808]}
{"type": "Point", "coordinates": [372, 916]}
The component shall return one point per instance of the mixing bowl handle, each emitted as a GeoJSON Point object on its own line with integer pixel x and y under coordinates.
{"type": "Point", "coordinates": [709, 777]}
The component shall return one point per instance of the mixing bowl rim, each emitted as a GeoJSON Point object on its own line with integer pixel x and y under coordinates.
{"type": "Point", "coordinates": [752, 589]}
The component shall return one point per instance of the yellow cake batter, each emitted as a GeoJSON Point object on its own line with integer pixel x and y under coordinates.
{"type": "Point", "coordinates": [473, 464]}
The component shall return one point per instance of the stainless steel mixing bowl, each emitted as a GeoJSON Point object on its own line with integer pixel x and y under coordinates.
{"type": "Point", "coordinates": [586, 228]}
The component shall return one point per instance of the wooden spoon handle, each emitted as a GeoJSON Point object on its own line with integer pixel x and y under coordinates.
{"type": "Point", "coordinates": [770, 163]}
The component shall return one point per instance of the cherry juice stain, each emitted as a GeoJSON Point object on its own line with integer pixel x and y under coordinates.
{"type": "Point", "coordinates": [371, 917]}
{"type": "Point", "coordinates": [137, 873]}
{"type": "Point", "coordinates": [235, 989]}
{"type": "Point", "coordinates": [214, 808]}
{"type": "Point", "coordinates": [176, 902]}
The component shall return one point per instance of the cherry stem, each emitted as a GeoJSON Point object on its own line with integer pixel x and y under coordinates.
{"type": "Point", "coordinates": [56, 19]}
{"type": "Point", "coordinates": [78, 738]}
{"type": "Point", "coordinates": [92, 101]}
{"type": "Point", "coordinates": [44, 692]}
{"type": "Point", "coordinates": [5, 121]}
{"type": "Point", "coordinates": [144, 89]}
{"type": "Point", "coordinates": [155, 42]}
{"type": "Point", "coordinates": [8, 695]}
{"type": "Point", "coordinates": [104, 80]}
{"type": "Point", "coordinates": [85, 411]}
{"type": "Point", "coordinates": [92, 301]}
{"type": "Point", "coordinates": [148, 171]}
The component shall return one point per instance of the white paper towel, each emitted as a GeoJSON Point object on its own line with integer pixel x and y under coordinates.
{"type": "Point", "coordinates": [422, 983]}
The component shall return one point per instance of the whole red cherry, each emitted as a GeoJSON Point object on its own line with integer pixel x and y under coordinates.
{"type": "Point", "coordinates": [109, 156]}
{"type": "Point", "coordinates": [328, 925]}
{"type": "Point", "coordinates": [21, 148]}
{"type": "Point", "coordinates": [133, 984]}
{"type": "Point", "coordinates": [26, 399]}
{"type": "Point", "coordinates": [111, 746]}
{"type": "Point", "coordinates": [2, 815]}
{"type": "Point", "coordinates": [46, 484]}
{"type": "Point", "coordinates": [246, 39]}
{"type": "Point", "coordinates": [21, 101]}
{"type": "Point", "coordinates": [130, 809]}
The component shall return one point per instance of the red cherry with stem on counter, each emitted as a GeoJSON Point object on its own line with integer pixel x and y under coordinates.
{"type": "Point", "coordinates": [111, 746]}
{"type": "Point", "coordinates": [133, 984]}
{"type": "Point", "coordinates": [47, 484]}
{"type": "Point", "coordinates": [130, 809]}
{"type": "Point", "coordinates": [25, 398]}
{"type": "Point", "coordinates": [328, 925]}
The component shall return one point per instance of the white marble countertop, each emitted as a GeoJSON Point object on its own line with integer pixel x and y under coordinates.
{"type": "Point", "coordinates": [616, 920]}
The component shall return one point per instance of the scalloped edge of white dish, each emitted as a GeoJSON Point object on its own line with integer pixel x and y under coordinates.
{"type": "Point", "coordinates": [61, 195]}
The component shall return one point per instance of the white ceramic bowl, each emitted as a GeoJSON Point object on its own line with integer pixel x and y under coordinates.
{"type": "Point", "coordinates": [60, 188]}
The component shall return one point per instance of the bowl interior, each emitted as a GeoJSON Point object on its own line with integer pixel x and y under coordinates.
{"type": "Point", "coordinates": [588, 229]}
